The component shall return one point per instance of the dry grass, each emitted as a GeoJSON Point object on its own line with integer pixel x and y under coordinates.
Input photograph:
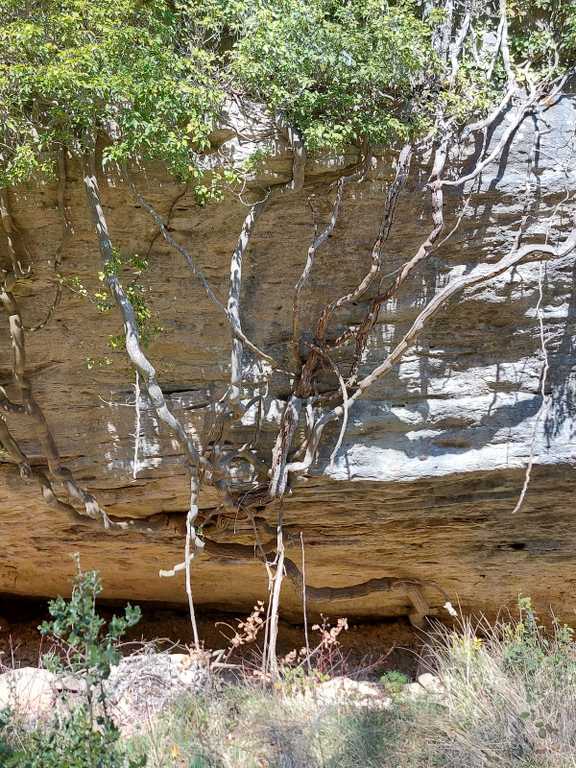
{"type": "Point", "coordinates": [510, 694]}
{"type": "Point", "coordinates": [509, 700]}
{"type": "Point", "coordinates": [247, 727]}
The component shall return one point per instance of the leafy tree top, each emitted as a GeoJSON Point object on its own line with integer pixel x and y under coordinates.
{"type": "Point", "coordinates": [72, 69]}
{"type": "Point", "coordinates": [340, 71]}
{"type": "Point", "coordinates": [151, 75]}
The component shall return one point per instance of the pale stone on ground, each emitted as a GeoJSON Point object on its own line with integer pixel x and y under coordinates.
{"type": "Point", "coordinates": [427, 687]}
{"type": "Point", "coordinates": [344, 690]}
{"type": "Point", "coordinates": [28, 692]}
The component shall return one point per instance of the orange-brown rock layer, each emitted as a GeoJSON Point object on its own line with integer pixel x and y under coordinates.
{"type": "Point", "coordinates": [433, 460]}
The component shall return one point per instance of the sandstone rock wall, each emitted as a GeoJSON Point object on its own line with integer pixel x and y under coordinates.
{"type": "Point", "coordinates": [434, 457]}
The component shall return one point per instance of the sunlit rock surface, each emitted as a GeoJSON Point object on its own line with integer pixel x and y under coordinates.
{"type": "Point", "coordinates": [434, 458]}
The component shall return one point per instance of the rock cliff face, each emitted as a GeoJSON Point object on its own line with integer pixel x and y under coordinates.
{"type": "Point", "coordinates": [434, 459]}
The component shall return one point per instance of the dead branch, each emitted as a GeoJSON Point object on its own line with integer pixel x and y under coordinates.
{"type": "Point", "coordinates": [198, 274]}
{"type": "Point", "coordinates": [71, 514]}
{"type": "Point", "coordinates": [542, 411]}
{"type": "Point", "coordinates": [504, 46]}
{"type": "Point", "coordinates": [288, 425]}
{"type": "Point", "coordinates": [244, 553]}
{"type": "Point", "coordinates": [481, 274]}
{"type": "Point", "coordinates": [298, 160]}
{"type": "Point", "coordinates": [272, 647]}
{"type": "Point", "coordinates": [456, 46]}
{"type": "Point", "coordinates": [493, 116]}
{"type": "Point", "coordinates": [435, 184]}
{"type": "Point", "coordinates": [446, 29]}
{"type": "Point", "coordinates": [317, 242]}
{"type": "Point", "coordinates": [66, 230]}
{"type": "Point", "coordinates": [32, 409]}
{"type": "Point", "coordinates": [137, 427]}
{"type": "Point", "coordinates": [50, 313]}
{"type": "Point", "coordinates": [233, 308]}
{"type": "Point", "coordinates": [192, 538]}
{"type": "Point", "coordinates": [361, 333]}
{"type": "Point", "coordinates": [15, 250]}
{"type": "Point", "coordinates": [304, 603]}
{"type": "Point", "coordinates": [168, 219]}
{"type": "Point", "coordinates": [519, 113]}
{"type": "Point", "coordinates": [303, 389]}
{"type": "Point", "coordinates": [132, 337]}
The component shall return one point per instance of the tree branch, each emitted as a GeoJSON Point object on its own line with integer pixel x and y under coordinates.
{"type": "Point", "coordinates": [199, 274]}
{"type": "Point", "coordinates": [481, 274]}
{"type": "Point", "coordinates": [233, 308]}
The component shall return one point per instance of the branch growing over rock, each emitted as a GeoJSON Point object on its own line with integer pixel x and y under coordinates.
{"type": "Point", "coordinates": [199, 275]}
{"type": "Point", "coordinates": [132, 336]}
{"type": "Point", "coordinates": [481, 274]}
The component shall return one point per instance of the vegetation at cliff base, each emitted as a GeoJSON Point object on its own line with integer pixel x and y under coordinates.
{"type": "Point", "coordinates": [487, 696]}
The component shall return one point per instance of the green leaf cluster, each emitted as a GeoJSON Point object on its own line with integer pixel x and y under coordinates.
{"type": "Point", "coordinates": [543, 32]}
{"type": "Point", "coordinates": [133, 267]}
{"type": "Point", "coordinates": [341, 72]}
{"type": "Point", "coordinates": [130, 268]}
{"type": "Point", "coordinates": [79, 629]}
{"type": "Point", "coordinates": [72, 71]}
{"type": "Point", "coordinates": [75, 743]}
{"type": "Point", "coordinates": [147, 80]}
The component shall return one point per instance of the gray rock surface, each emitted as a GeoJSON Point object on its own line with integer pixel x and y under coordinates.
{"type": "Point", "coordinates": [138, 689]}
{"type": "Point", "coordinates": [434, 457]}
{"type": "Point", "coordinates": [143, 685]}
{"type": "Point", "coordinates": [28, 693]}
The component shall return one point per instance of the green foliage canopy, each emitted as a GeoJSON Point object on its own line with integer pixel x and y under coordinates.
{"type": "Point", "coordinates": [339, 71]}
{"type": "Point", "coordinates": [71, 70]}
{"type": "Point", "coordinates": [540, 29]}
{"type": "Point", "coordinates": [151, 76]}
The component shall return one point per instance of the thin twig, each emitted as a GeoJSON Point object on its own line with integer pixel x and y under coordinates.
{"type": "Point", "coordinates": [191, 537]}
{"type": "Point", "coordinates": [543, 410]}
{"type": "Point", "coordinates": [304, 605]}
{"type": "Point", "coordinates": [275, 603]}
{"type": "Point", "coordinates": [135, 461]}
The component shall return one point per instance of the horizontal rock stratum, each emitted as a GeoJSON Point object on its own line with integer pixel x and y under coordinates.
{"type": "Point", "coordinates": [434, 458]}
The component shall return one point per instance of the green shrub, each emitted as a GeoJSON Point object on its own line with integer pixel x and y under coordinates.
{"type": "Point", "coordinates": [6, 750]}
{"type": "Point", "coordinates": [76, 741]}
{"type": "Point", "coordinates": [86, 737]}
{"type": "Point", "coordinates": [78, 629]}
{"type": "Point", "coordinates": [394, 681]}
